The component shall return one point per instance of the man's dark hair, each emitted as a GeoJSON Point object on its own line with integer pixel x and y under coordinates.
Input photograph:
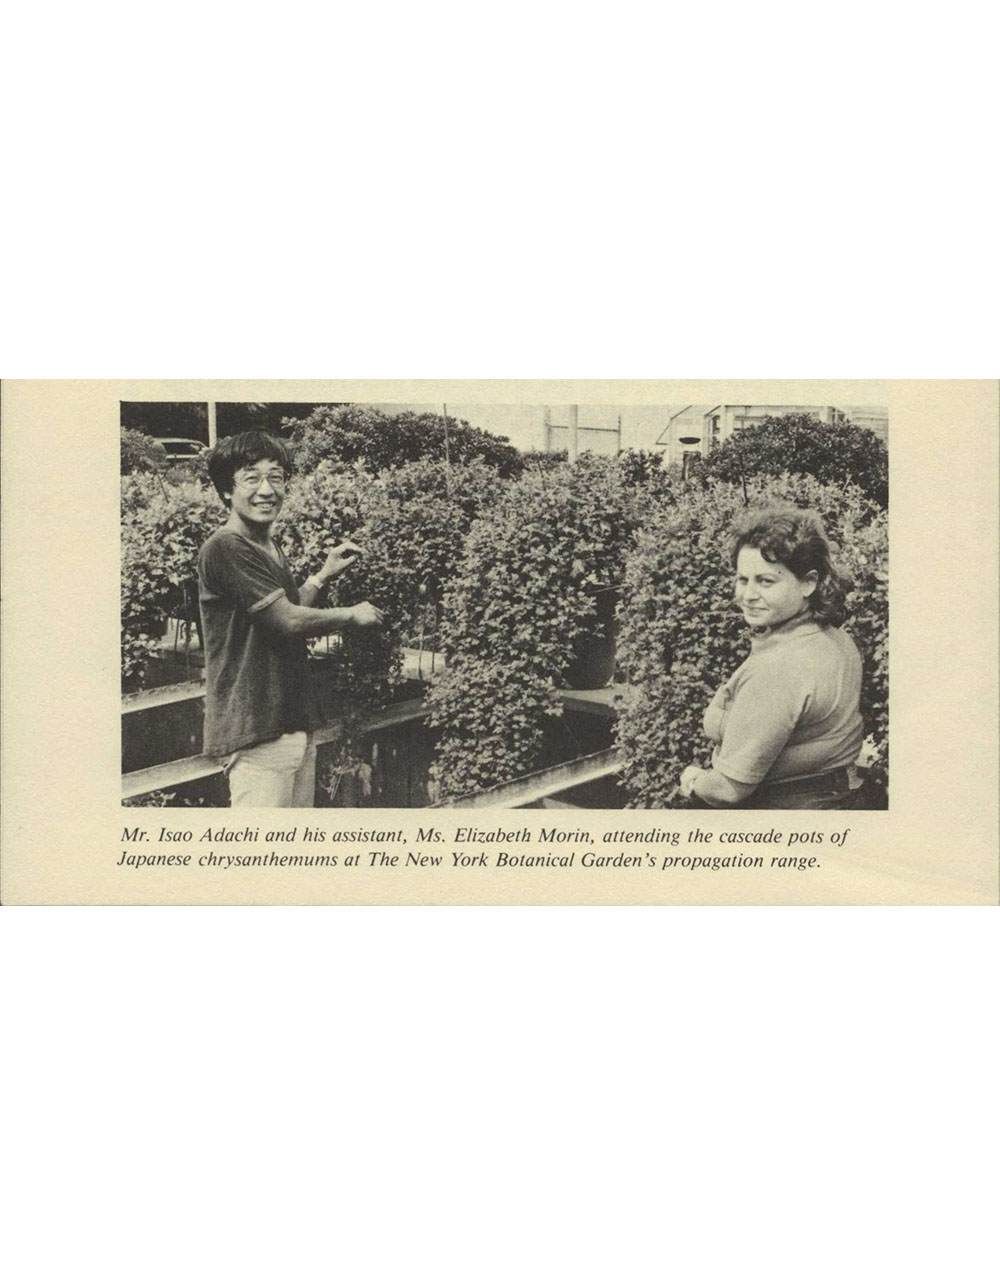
{"type": "Point", "coordinates": [241, 451]}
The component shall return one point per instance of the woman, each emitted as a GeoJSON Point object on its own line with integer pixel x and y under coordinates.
{"type": "Point", "coordinates": [786, 727]}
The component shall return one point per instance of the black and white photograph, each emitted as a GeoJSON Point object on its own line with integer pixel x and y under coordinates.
{"type": "Point", "coordinates": [485, 642]}
{"type": "Point", "coordinates": [370, 605]}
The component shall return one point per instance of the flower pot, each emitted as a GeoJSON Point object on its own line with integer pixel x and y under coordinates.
{"type": "Point", "coordinates": [593, 661]}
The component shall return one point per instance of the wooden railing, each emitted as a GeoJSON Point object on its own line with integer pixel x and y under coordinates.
{"type": "Point", "coordinates": [538, 786]}
{"type": "Point", "coordinates": [198, 767]}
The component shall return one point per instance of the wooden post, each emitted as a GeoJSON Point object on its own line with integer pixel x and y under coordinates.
{"type": "Point", "coordinates": [447, 454]}
{"type": "Point", "coordinates": [212, 435]}
{"type": "Point", "coordinates": [574, 432]}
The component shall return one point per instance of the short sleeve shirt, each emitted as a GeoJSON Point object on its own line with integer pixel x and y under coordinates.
{"type": "Point", "coordinates": [257, 682]}
{"type": "Point", "coordinates": [791, 709]}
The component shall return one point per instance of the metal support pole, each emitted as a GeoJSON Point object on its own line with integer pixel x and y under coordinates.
{"type": "Point", "coordinates": [447, 454]}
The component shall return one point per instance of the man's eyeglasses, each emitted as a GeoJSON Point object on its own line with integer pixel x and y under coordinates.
{"type": "Point", "coordinates": [276, 480]}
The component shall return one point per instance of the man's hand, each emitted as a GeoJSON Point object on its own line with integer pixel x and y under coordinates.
{"type": "Point", "coordinates": [364, 615]}
{"type": "Point", "coordinates": [339, 558]}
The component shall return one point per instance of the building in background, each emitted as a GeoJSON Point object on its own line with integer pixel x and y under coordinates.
{"type": "Point", "coordinates": [684, 434]}
{"type": "Point", "coordinates": [596, 430]}
{"type": "Point", "coordinates": [695, 430]}
{"type": "Point", "coordinates": [874, 418]}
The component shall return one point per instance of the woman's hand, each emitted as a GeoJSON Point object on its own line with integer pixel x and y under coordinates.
{"type": "Point", "coordinates": [715, 789]}
{"type": "Point", "coordinates": [338, 559]}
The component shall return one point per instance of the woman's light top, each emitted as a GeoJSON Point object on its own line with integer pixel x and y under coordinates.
{"type": "Point", "coordinates": [792, 707]}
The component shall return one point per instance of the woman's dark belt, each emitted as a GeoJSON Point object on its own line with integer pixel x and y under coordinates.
{"type": "Point", "coordinates": [833, 781]}
{"type": "Point", "coordinates": [827, 789]}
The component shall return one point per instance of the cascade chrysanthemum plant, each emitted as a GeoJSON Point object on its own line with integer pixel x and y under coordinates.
{"type": "Point", "coordinates": [324, 508]}
{"type": "Point", "coordinates": [411, 523]}
{"type": "Point", "coordinates": [164, 525]}
{"type": "Point", "coordinates": [523, 597]}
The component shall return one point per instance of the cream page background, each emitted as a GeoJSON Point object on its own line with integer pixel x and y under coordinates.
{"type": "Point", "coordinates": [62, 818]}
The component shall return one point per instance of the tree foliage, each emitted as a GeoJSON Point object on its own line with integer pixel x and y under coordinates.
{"type": "Point", "coordinates": [800, 444]}
{"type": "Point", "coordinates": [642, 468]}
{"type": "Point", "coordinates": [264, 417]}
{"type": "Point", "coordinates": [370, 438]}
{"type": "Point", "coordinates": [167, 419]}
{"type": "Point", "coordinates": [543, 461]}
{"type": "Point", "coordinates": [140, 453]}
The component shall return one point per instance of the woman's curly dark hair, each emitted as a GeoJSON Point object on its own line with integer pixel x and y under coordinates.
{"type": "Point", "coordinates": [796, 538]}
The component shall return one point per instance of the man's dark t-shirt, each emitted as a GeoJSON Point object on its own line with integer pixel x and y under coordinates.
{"type": "Point", "coordinates": [257, 683]}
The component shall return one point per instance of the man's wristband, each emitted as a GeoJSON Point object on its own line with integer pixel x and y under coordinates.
{"type": "Point", "coordinates": [316, 583]}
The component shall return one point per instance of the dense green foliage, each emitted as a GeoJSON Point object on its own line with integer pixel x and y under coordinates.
{"type": "Point", "coordinates": [141, 453]}
{"type": "Point", "coordinates": [167, 419]}
{"type": "Point", "coordinates": [536, 462]}
{"type": "Point", "coordinates": [524, 596]}
{"type": "Point", "coordinates": [799, 443]}
{"type": "Point", "coordinates": [411, 524]}
{"type": "Point", "coordinates": [164, 524]}
{"type": "Point", "coordinates": [262, 417]}
{"type": "Point", "coordinates": [369, 438]}
{"type": "Point", "coordinates": [514, 554]}
{"type": "Point", "coordinates": [423, 513]}
{"type": "Point", "coordinates": [644, 468]}
{"type": "Point", "coordinates": [324, 508]}
{"type": "Point", "coordinates": [682, 636]}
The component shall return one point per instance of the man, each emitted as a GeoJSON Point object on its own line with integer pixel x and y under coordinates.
{"type": "Point", "coordinates": [259, 710]}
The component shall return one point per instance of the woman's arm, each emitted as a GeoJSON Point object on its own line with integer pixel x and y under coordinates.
{"type": "Point", "coordinates": [714, 788]}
